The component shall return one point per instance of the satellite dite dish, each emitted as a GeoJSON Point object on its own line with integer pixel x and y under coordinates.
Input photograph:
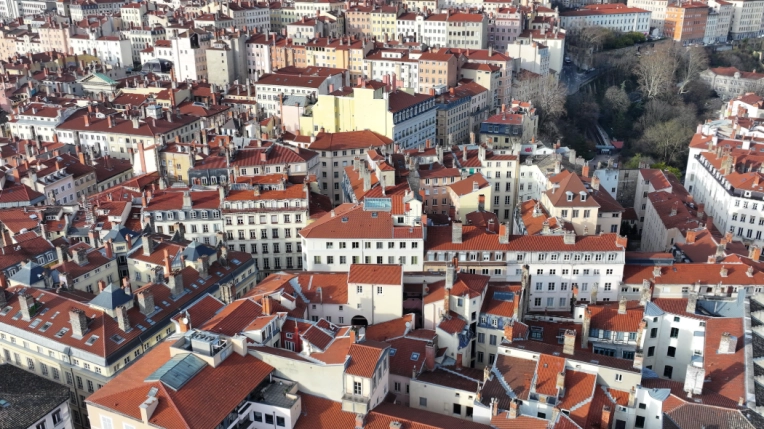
{"type": "Point", "coordinates": [184, 320]}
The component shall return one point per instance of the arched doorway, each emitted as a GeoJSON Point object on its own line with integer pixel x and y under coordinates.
{"type": "Point", "coordinates": [359, 321]}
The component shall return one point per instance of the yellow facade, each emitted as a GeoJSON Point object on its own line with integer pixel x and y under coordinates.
{"type": "Point", "coordinates": [367, 109]}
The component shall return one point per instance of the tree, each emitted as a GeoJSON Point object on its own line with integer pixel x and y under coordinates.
{"type": "Point", "coordinates": [633, 163]}
{"type": "Point", "coordinates": [692, 62]}
{"type": "Point", "coordinates": [655, 71]}
{"type": "Point", "coordinates": [617, 99]}
{"type": "Point", "coordinates": [667, 140]}
{"type": "Point", "coordinates": [550, 99]}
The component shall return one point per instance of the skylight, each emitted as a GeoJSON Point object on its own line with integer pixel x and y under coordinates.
{"type": "Point", "coordinates": [414, 356]}
{"type": "Point", "coordinates": [392, 352]}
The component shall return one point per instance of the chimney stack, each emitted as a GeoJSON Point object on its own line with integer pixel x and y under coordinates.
{"type": "Point", "coordinates": [122, 321]}
{"type": "Point", "coordinates": [456, 232]}
{"type": "Point", "coordinates": [145, 302]}
{"type": "Point", "coordinates": [79, 322]}
{"type": "Point", "coordinates": [27, 304]}
{"type": "Point", "coordinates": [569, 342]}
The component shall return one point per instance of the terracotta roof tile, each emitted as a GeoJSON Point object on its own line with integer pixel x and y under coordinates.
{"type": "Point", "coordinates": [391, 329]}
{"type": "Point", "coordinates": [502, 421]}
{"type": "Point", "coordinates": [606, 316]}
{"type": "Point", "coordinates": [229, 383]}
{"type": "Point", "coordinates": [375, 274]}
{"type": "Point", "coordinates": [359, 224]}
{"type": "Point", "coordinates": [546, 374]}
{"type": "Point", "coordinates": [364, 358]}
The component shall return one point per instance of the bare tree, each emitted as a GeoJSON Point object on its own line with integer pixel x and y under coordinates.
{"type": "Point", "coordinates": [667, 140]}
{"type": "Point", "coordinates": [655, 71]}
{"type": "Point", "coordinates": [617, 99]}
{"type": "Point", "coordinates": [692, 62]}
{"type": "Point", "coordinates": [550, 99]}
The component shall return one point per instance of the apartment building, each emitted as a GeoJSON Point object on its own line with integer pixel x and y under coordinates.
{"type": "Point", "coordinates": [511, 128]}
{"type": "Point", "coordinates": [38, 120]}
{"type": "Point", "coordinates": [142, 38]}
{"type": "Point", "coordinates": [746, 19]}
{"type": "Point", "coordinates": [123, 138]}
{"type": "Point", "coordinates": [339, 53]}
{"type": "Point", "coordinates": [338, 150]}
{"type": "Point", "coordinates": [186, 49]}
{"type": "Point", "coordinates": [332, 242]}
{"type": "Point", "coordinates": [194, 214]}
{"type": "Point", "coordinates": [460, 111]}
{"type": "Point", "coordinates": [437, 70]}
{"type": "Point", "coordinates": [224, 362]}
{"type": "Point", "coordinates": [114, 50]}
{"type": "Point", "coordinates": [272, 88]}
{"type": "Point", "coordinates": [729, 82]}
{"type": "Point", "coordinates": [394, 66]}
{"type": "Point", "coordinates": [254, 225]}
{"type": "Point", "coordinates": [502, 93]}
{"type": "Point", "coordinates": [550, 278]}
{"type": "Point", "coordinates": [686, 22]}
{"type": "Point", "coordinates": [616, 16]}
{"type": "Point", "coordinates": [264, 158]}
{"type": "Point", "coordinates": [650, 181]}
{"type": "Point", "coordinates": [83, 345]}
{"type": "Point", "coordinates": [504, 26]}
{"type": "Point", "coordinates": [658, 10]}
{"type": "Point", "coordinates": [719, 22]}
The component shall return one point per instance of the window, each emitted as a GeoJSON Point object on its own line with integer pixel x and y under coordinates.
{"type": "Point", "coordinates": [422, 401]}
{"type": "Point", "coordinates": [640, 422]}
{"type": "Point", "coordinates": [668, 371]}
{"type": "Point", "coordinates": [457, 409]}
{"type": "Point", "coordinates": [56, 417]}
{"type": "Point", "coordinates": [619, 377]}
{"type": "Point", "coordinates": [280, 421]}
{"type": "Point", "coordinates": [674, 332]}
{"type": "Point", "coordinates": [40, 426]}
{"type": "Point", "coordinates": [357, 388]}
{"type": "Point", "coordinates": [654, 333]}
{"type": "Point", "coordinates": [671, 352]}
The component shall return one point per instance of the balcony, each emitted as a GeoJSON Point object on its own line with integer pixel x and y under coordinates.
{"type": "Point", "coordinates": [358, 404]}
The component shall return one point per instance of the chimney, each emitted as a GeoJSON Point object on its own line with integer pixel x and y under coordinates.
{"type": "Point", "coordinates": [267, 306]}
{"type": "Point", "coordinates": [605, 417]}
{"type": "Point", "coordinates": [145, 302]}
{"type": "Point", "coordinates": [101, 286]}
{"type": "Point", "coordinates": [481, 202]}
{"type": "Point", "coordinates": [429, 356]}
{"type": "Point", "coordinates": [175, 283]}
{"type": "Point", "coordinates": [560, 381]}
{"type": "Point", "coordinates": [596, 182]}
{"type": "Point", "coordinates": [459, 360]}
{"type": "Point", "coordinates": [122, 321]}
{"type": "Point", "coordinates": [509, 330]}
{"type": "Point", "coordinates": [108, 247]}
{"type": "Point", "coordinates": [456, 232]}
{"type": "Point", "coordinates": [504, 232]}
{"type": "Point", "coordinates": [701, 210]}
{"type": "Point", "coordinates": [184, 322]}
{"type": "Point", "coordinates": [514, 411]}
{"type": "Point", "coordinates": [27, 304]}
{"type": "Point", "coordinates": [585, 170]}
{"type": "Point", "coordinates": [148, 245]}
{"type": "Point", "coordinates": [690, 236]}
{"type": "Point", "coordinates": [79, 322]}
{"type": "Point", "coordinates": [622, 305]}
{"type": "Point", "coordinates": [359, 421]}
{"type": "Point", "coordinates": [754, 252]}
{"type": "Point", "coordinates": [166, 259]}
{"type": "Point", "coordinates": [585, 329]}
{"type": "Point", "coordinates": [569, 342]}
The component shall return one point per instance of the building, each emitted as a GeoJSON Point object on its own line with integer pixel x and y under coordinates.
{"type": "Point", "coordinates": [338, 150]}
{"type": "Point", "coordinates": [310, 82]}
{"type": "Point", "coordinates": [504, 26]}
{"type": "Point", "coordinates": [729, 82]}
{"type": "Point", "coordinates": [658, 10]}
{"type": "Point", "coordinates": [408, 119]}
{"type": "Point", "coordinates": [686, 22]}
{"type": "Point", "coordinates": [719, 22]}
{"type": "Point", "coordinates": [460, 111]}
{"type": "Point", "coordinates": [616, 17]}
{"type": "Point", "coordinates": [252, 226]}
{"type": "Point", "coordinates": [32, 401]}
{"type": "Point", "coordinates": [364, 234]}
{"type": "Point", "coordinates": [746, 19]}
{"type": "Point", "coordinates": [193, 360]}
{"type": "Point", "coordinates": [512, 128]}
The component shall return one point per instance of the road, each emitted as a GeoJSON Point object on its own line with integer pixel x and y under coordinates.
{"type": "Point", "coordinates": [574, 79]}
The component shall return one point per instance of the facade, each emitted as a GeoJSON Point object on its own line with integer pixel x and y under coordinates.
{"type": "Point", "coordinates": [746, 19]}
{"type": "Point", "coordinates": [658, 10]}
{"type": "Point", "coordinates": [616, 16]}
{"type": "Point", "coordinates": [686, 23]}
{"type": "Point", "coordinates": [460, 111]}
{"type": "Point", "coordinates": [730, 82]}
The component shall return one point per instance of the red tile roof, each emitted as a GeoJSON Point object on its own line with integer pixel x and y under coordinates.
{"type": "Point", "coordinates": [606, 316]}
{"type": "Point", "coordinates": [349, 140]}
{"type": "Point", "coordinates": [502, 421]}
{"type": "Point", "coordinates": [358, 224]}
{"type": "Point", "coordinates": [546, 374]}
{"type": "Point", "coordinates": [364, 358]}
{"type": "Point", "coordinates": [187, 408]}
{"type": "Point", "coordinates": [375, 274]}
{"type": "Point", "coordinates": [391, 329]}
{"type": "Point", "coordinates": [727, 371]}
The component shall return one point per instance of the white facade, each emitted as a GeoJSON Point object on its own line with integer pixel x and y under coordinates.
{"type": "Point", "coordinates": [322, 254]}
{"type": "Point", "coordinates": [58, 418]}
{"type": "Point", "coordinates": [747, 19]}
{"type": "Point", "coordinates": [657, 10]}
{"type": "Point", "coordinates": [114, 50]}
{"type": "Point", "coordinates": [617, 19]}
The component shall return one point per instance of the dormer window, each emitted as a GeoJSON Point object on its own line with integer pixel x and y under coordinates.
{"type": "Point", "coordinates": [569, 195]}
{"type": "Point", "coordinates": [583, 195]}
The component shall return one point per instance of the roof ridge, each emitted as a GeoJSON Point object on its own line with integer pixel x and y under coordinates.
{"type": "Point", "coordinates": [500, 377]}
{"type": "Point", "coordinates": [450, 371]}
